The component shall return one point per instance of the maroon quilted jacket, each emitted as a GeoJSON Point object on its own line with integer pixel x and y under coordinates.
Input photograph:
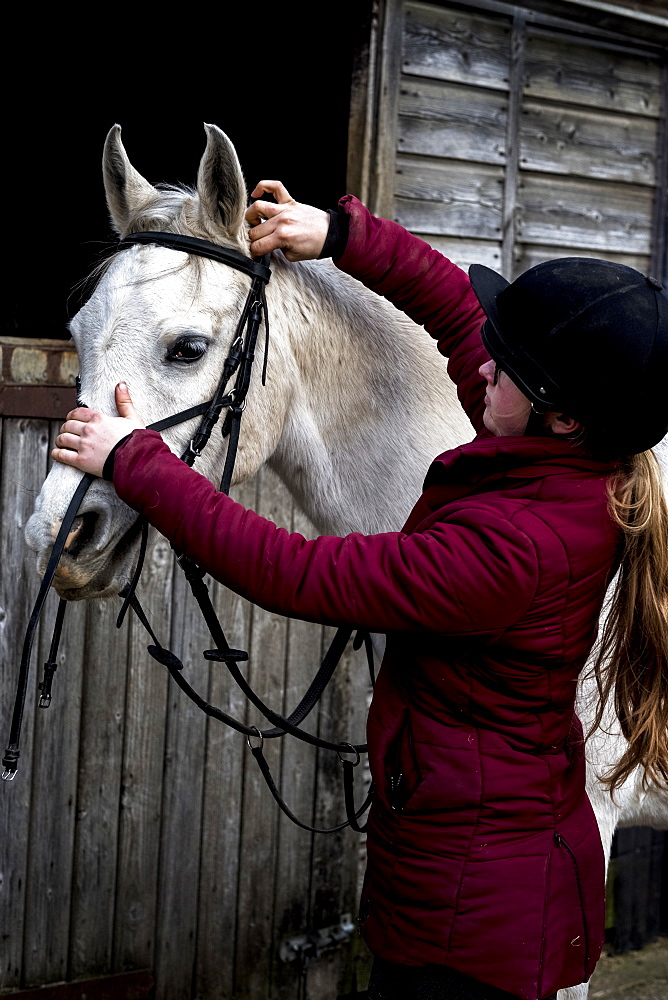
{"type": "Point", "coordinates": [483, 851]}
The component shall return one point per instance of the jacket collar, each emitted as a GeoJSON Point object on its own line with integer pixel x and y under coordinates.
{"type": "Point", "coordinates": [488, 458]}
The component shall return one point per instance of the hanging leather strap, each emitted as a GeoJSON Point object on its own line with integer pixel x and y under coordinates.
{"type": "Point", "coordinates": [13, 752]}
{"type": "Point", "coordinates": [287, 725]}
{"type": "Point", "coordinates": [352, 816]}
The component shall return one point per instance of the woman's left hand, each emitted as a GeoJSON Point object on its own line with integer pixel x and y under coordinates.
{"type": "Point", "coordinates": [87, 436]}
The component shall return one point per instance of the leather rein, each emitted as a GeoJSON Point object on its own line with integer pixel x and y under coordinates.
{"type": "Point", "coordinates": [239, 362]}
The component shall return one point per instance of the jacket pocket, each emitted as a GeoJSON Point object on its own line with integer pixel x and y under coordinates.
{"type": "Point", "coordinates": [498, 921]}
{"type": "Point", "coordinates": [402, 770]}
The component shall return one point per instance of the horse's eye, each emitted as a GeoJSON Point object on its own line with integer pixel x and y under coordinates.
{"type": "Point", "coordinates": [187, 350]}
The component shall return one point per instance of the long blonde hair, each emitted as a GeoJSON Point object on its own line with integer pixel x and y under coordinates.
{"type": "Point", "coordinates": [632, 652]}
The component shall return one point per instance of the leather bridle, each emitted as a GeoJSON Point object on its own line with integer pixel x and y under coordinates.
{"type": "Point", "coordinates": [239, 362]}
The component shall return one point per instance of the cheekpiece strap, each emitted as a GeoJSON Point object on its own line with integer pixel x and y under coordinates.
{"type": "Point", "coordinates": [202, 248]}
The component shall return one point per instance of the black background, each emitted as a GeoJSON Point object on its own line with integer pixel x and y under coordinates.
{"type": "Point", "coordinates": [275, 78]}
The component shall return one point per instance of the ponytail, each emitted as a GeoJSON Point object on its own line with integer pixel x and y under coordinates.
{"type": "Point", "coordinates": [632, 653]}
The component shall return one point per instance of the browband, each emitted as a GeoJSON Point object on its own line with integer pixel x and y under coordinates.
{"type": "Point", "coordinates": [203, 248]}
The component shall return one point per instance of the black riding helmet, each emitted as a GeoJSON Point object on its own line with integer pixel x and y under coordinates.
{"type": "Point", "coordinates": [585, 337]}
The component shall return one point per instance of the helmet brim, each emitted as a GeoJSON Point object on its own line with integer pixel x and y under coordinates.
{"type": "Point", "coordinates": [488, 285]}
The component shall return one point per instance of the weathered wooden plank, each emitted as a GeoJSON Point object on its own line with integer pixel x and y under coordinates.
{"type": "Point", "coordinates": [222, 805]}
{"type": "Point", "coordinates": [456, 45]}
{"type": "Point", "coordinates": [258, 849]}
{"type": "Point", "coordinates": [335, 878]}
{"type": "Point", "coordinates": [298, 769]}
{"type": "Point", "coordinates": [516, 72]}
{"type": "Point", "coordinates": [587, 143]}
{"type": "Point", "coordinates": [447, 120]}
{"type": "Point", "coordinates": [24, 456]}
{"type": "Point", "coordinates": [54, 796]}
{"type": "Point", "coordinates": [183, 780]}
{"type": "Point", "coordinates": [99, 791]}
{"type": "Point", "coordinates": [37, 361]}
{"type": "Point", "coordinates": [465, 252]}
{"type": "Point", "coordinates": [449, 218]}
{"type": "Point", "coordinates": [363, 98]}
{"type": "Point", "coordinates": [659, 255]}
{"type": "Point", "coordinates": [528, 255]}
{"type": "Point", "coordinates": [142, 774]}
{"type": "Point", "coordinates": [572, 70]}
{"type": "Point", "coordinates": [573, 213]}
{"type": "Point", "coordinates": [221, 820]}
{"type": "Point", "coordinates": [385, 97]}
{"type": "Point", "coordinates": [121, 986]}
{"type": "Point", "coordinates": [435, 196]}
{"type": "Point", "coordinates": [657, 11]}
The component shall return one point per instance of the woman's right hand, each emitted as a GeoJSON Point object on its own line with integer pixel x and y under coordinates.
{"type": "Point", "coordinates": [298, 230]}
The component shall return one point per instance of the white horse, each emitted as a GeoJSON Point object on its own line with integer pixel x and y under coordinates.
{"type": "Point", "coordinates": [356, 405]}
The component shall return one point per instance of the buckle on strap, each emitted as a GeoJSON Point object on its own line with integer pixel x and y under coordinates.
{"type": "Point", "coordinates": [10, 762]}
{"type": "Point", "coordinates": [44, 685]}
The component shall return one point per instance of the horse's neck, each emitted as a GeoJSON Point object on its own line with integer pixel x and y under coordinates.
{"type": "Point", "coordinates": [371, 407]}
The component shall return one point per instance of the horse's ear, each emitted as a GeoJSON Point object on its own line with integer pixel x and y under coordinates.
{"type": "Point", "coordinates": [127, 191]}
{"type": "Point", "coordinates": [220, 184]}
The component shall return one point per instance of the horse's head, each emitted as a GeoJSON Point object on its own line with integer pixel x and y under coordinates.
{"type": "Point", "coordinates": [163, 322]}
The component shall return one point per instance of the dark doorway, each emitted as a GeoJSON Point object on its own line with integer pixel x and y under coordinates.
{"type": "Point", "coordinates": [276, 78]}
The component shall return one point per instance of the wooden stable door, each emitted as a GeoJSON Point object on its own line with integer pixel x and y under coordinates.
{"type": "Point", "coordinates": [506, 138]}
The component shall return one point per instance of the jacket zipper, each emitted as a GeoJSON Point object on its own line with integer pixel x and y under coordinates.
{"type": "Point", "coordinates": [396, 780]}
{"type": "Point", "coordinates": [394, 792]}
{"type": "Point", "coordinates": [560, 842]}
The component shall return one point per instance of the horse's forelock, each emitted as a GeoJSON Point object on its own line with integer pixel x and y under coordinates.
{"type": "Point", "coordinates": [175, 211]}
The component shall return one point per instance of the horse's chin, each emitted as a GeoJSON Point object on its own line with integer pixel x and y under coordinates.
{"type": "Point", "coordinates": [90, 591]}
{"type": "Point", "coordinates": [72, 586]}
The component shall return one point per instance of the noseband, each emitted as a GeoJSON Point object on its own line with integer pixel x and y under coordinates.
{"type": "Point", "coordinates": [239, 362]}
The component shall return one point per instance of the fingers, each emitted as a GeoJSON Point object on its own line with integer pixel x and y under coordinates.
{"type": "Point", "coordinates": [71, 441]}
{"type": "Point", "coordinates": [279, 191]}
{"type": "Point", "coordinates": [87, 436]}
{"type": "Point", "coordinates": [72, 426]}
{"type": "Point", "coordinates": [81, 413]}
{"type": "Point", "coordinates": [124, 403]}
{"type": "Point", "coordinates": [65, 456]}
{"type": "Point", "coordinates": [261, 210]}
{"type": "Point", "coordinates": [265, 237]}
{"type": "Point", "coordinates": [266, 209]}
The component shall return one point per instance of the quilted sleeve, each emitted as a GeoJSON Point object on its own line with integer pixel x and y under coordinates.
{"type": "Point", "coordinates": [425, 285]}
{"type": "Point", "coordinates": [471, 573]}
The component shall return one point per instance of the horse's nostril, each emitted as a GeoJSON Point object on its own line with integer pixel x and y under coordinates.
{"type": "Point", "coordinates": [83, 529]}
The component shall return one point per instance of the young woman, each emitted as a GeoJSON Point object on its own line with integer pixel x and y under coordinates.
{"type": "Point", "coordinates": [485, 869]}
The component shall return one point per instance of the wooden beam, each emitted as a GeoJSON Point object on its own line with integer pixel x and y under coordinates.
{"type": "Point", "coordinates": [49, 402]}
{"type": "Point", "coordinates": [37, 377]}
{"type": "Point", "coordinates": [658, 262]}
{"type": "Point", "coordinates": [515, 84]}
{"type": "Point", "coordinates": [122, 986]}
{"type": "Point", "coordinates": [636, 11]}
{"type": "Point", "coordinates": [383, 149]}
{"type": "Point", "coordinates": [361, 117]}
{"type": "Point", "coordinates": [562, 14]}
